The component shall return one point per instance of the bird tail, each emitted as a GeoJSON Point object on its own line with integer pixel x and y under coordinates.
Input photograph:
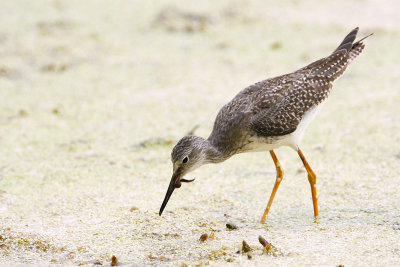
{"type": "Point", "coordinates": [350, 48]}
{"type": "Point", "coordinates": [344, 54]}
{"type": "Point", "coordinates": [357, 48]}
{"type": "Point", "coordinates": [347, 42]}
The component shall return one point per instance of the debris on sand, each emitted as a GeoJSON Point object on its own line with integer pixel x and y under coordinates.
{"type": "Point", "coordinates": [245, 247]}
{"type": "Point", "coordinates": [174, 235]}
{"type": "Point", "coordinates": [9, 73]}
{"type": "Point", "coordinates": [153, 142]}
{"type": "Point", "coordinates": [173, 19]}
{"type": "Point", "coordinates": [84, 263]}
{"type": "Point", "coordinates": [203, 237]}
{"type": "Point", "coordinates": [54, 67]}
{"type": "Point", "coordinates": [114, 261]}
{"type": "Point", "coordinates": [133, 208]}
{"type": "Point", "coordinates": [55, 111]}
{"type": "Point", "coordinates": [192, 131]}
{"type": "Point", "coordinates": [22, 113]}
{"type": "Point", "coordinates": [263, 242]}
{"type": "Point", "coordinates": [276, 45]}
{"type": "Point", "coordinates": [163, 258]}
{"type": "Point", "coordinates": [217, 254]}
{"type": "Point", "coordinates": [269, 249]}
{"type": "Point", "coordinates": [231, 226]}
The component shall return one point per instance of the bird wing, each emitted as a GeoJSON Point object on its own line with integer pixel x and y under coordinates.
{"type": "Point", "coordinates": [298, 92]}
{"type": "Point", "coordinates": [290, 96]}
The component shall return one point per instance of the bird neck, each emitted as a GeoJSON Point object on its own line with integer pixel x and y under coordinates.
{"type": "Point", "coordinates": [213, 155]}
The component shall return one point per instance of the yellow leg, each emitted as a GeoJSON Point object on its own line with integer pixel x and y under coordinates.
{"type": "Point", "coordinates": [312, 178]}
{"type": "Point", "coordinates": [279, 177]}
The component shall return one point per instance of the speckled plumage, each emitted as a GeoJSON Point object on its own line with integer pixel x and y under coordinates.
{"type": "Point", "coordinates": [264, 116]}
{"type": "Point", "coordinates": [271, 110]}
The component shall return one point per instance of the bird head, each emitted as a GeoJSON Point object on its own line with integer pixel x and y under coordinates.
{"type": "Point", "coordinates": [187, 155]}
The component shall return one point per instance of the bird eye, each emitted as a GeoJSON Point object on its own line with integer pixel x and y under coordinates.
{"type": "Point", "coordinates": [185, 159]}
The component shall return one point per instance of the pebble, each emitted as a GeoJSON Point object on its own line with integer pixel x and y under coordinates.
{"type": "Point", "coordinates": [262, 241]}
{"type": "Point", "coordinates": [231, 226]}
{"type": "Point", "coordinates": [203, 237]}
{"type": "Point", "coordinates": [133, 208]}
{"type": "Point", "coordinates": [245, 247]}
{"type": "Point", "coordinates": [114, 261]}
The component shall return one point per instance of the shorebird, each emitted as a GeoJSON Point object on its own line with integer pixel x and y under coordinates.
{"type": "Point", "coordinates": [264, 116]}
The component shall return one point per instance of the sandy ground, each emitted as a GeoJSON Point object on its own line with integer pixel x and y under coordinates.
{"type": "Point", "coordinates": [94, 94]}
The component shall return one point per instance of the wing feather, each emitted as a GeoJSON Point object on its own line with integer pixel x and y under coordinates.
{"type": "Point", "coordinates": [302, 90]}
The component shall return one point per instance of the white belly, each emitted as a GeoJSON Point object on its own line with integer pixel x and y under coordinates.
{"type": "Point", "coordinates": [297, 135]}
{"type": "Point", "coordinates": [292, 140]}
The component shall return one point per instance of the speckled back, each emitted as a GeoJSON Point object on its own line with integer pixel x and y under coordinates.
{"type": "Point", "coordinates": [275, 107]}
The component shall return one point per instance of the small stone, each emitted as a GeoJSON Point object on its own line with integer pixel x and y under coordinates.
{"type": "Point", "coordinates": [114, 261]}
{"type": "Point", "coordinates": [249, 257]}
{"type": "Point", "coordinates": [203, 237]}
{"type": "Point", "coordinates": [262, 241]}
{"type": "Point", "coordinates": [133, 208]}
{"type": "Point", "coordinates": [396, 226]}
{"type": "Point", "coordinates": [231, 226]}
{"type": "Point", "coordinates": [212, 235]}
{"type": "Point", "coordinates": [245, 247]}
{"type": "Point", "coordinates": [276, 46]}
{"type": "Point", "coordinates": [22, 113]}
